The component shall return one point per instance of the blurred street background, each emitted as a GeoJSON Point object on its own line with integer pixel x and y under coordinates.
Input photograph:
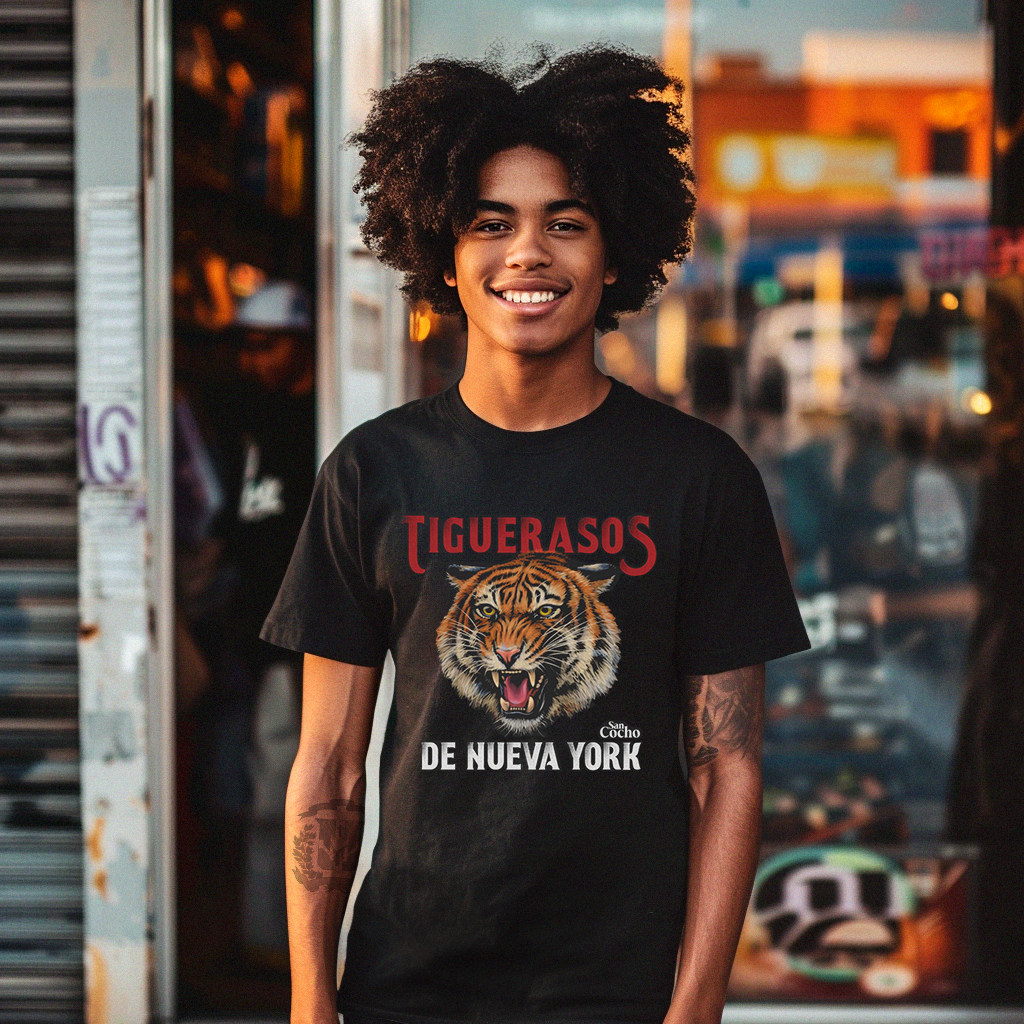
{"type": "Point", "coordinates": [189, 323]}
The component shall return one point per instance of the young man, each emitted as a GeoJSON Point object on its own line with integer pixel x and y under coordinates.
{"type": "Point", "coordinates": [575, 583]}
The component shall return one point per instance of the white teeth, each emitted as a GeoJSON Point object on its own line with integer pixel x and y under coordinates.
{"type": "Point", "coordinates": [528, 296]}
{"type": "Point", "coordinates": [529, 706]}
{"type": "Point", "coordinates": [505, 706]}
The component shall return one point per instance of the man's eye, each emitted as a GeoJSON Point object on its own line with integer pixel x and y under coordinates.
{"type": "Point", "coordinates": [487, 611]}
{"type": "Point", "coordinates": [547, 611]}
{"type": "Point", "coordinates": [490, 227]}
{"type": "Point", "coordinates": [567, 225]}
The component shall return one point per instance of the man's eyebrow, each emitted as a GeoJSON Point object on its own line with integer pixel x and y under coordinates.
{"type": "Point", "coordinates": [556, 206]}
{"type": "Point", "coordinates": [492, 206]}
{"type": "Point", "coordinates": [570, 204]}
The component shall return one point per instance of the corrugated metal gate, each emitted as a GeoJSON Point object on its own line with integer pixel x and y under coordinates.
{"type": "Point", "coordinates": [40, 822]}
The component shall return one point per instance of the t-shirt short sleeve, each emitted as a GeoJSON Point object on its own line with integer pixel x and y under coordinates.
{"type": "Point", "coordinates": [326, 605]}
{"type": "Point", "coordinates": [737, 607]}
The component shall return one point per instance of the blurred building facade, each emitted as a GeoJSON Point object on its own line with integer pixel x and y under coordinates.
{"type": "Point", "coordinates": [161, 163]}
{"type": "Point", "coordinates": [929, 98]}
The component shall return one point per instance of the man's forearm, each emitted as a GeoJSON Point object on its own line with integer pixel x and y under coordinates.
{"type": "Point", "coordinates": [722, 734]}
{"type": "Point", "coordinates": [324, 813]}
{"type": "Point", "coordinates": [725, 821]}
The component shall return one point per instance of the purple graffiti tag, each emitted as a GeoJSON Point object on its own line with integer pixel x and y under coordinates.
{"type": "Point", "coordinates": [96, 435]}
{"type": "Point", "coordinates": [84, 445]}
{"type": "Point", "coordinates": [117, 475]}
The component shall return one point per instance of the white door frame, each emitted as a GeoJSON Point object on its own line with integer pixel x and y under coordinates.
{"type": "Point", "coordinates": [360, 44]}
{"type": "Point", "coordinates": [126, 665]}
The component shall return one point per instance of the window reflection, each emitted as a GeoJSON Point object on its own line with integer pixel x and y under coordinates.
{"type": "Point", "coordinates": [832, 319]}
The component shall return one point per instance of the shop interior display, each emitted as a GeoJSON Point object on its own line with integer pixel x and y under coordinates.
{"type": "Point", "coordinates": [860, 896]}
{"type": "Point", "coordinates": [243, 157]}
{"type": "Point", "coordinates": [244, 255]}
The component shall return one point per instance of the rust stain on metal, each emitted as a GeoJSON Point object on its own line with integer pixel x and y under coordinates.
{"type": "Point", "coordinates": [88, 631]}
{"type": "Point", "coordinates": [95, 836]}
{"type": "Point", "coordinates": [97, 993]}
{"type": "Point", "coordinates": [99, 880]}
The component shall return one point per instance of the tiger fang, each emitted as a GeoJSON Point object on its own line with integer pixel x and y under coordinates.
{"type": "Point", "coordinates": [517, 690]}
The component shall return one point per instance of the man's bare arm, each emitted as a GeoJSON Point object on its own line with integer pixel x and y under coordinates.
{"type": "Point", "coordinates": [324, 825]}
{"type": "Point", "coordinates": [721, 734]}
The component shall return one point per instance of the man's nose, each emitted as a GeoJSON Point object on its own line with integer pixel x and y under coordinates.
{"type": "Point", "coordinates": [528, 249]}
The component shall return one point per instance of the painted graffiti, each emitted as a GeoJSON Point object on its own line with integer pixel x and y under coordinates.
{"type": "Point", "coordinates": [110, 443]}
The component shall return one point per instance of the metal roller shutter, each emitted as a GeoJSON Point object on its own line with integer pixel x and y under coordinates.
{"type": "Point", "coordinates": [40, 821]}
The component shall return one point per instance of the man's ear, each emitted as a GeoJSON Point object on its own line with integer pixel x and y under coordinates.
{"type": "Point", "coordinates": [449, 278]}
{"type": "Point", "coordinates": [611, 275]}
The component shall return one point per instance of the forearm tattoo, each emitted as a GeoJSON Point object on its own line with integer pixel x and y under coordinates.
{"type": "Point", "coordinates": [325, 845]}
{"type": "Point", "coordinates": [724, 712]}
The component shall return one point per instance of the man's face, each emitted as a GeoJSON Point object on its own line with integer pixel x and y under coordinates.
{"type": "Point", "coordinates": [531, 237]}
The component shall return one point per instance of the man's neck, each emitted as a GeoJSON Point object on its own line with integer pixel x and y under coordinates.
{"type": "Point", "coordinates": [517, 392]}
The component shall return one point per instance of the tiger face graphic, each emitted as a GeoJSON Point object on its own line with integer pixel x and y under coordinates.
{"type": "Point", "coordinates": [530, 639]}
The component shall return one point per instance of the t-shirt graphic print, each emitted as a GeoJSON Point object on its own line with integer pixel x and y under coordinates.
{"type": "Point", "coordinates": [529, 640]}
{"type": "Point", "coordinates": [544, 596]}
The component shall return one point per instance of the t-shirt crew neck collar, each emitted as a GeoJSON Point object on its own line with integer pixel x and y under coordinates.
{"type": "Point", "coordinates": [573, 432]}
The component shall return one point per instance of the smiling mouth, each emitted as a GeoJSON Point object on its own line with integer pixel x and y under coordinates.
{"type": "Point", "coordinates": [522, 298]}
{"type": "Point", "coordinates": [518, 692]}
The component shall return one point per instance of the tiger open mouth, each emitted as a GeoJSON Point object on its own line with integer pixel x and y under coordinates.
{"type": "Point", "coordinates": [519, 693]}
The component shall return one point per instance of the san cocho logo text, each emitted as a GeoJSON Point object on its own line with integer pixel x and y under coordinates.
{"type": "Point", "coordinates": [511, 535]}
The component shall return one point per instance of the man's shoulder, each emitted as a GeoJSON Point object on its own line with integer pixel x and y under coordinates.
{"type": "Point", "coordinates": [385, 437]}
{"type": "Point", "coordinates": [664, 429]}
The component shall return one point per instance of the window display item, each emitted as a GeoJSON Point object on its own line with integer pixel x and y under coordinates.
{"type": "Point", "coordinates": [847, 924]}
{"type": "Point", "coordinates": [274, 141]}
{"type": "Point", "coordinates": [274, 305]}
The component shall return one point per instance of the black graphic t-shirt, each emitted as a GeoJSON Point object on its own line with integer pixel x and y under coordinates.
{"type": "Point", "coordinates": [542, 593]}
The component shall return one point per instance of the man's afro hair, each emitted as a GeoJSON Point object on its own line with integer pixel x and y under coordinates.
{"type": "Point", "coordinates": [613, 117]}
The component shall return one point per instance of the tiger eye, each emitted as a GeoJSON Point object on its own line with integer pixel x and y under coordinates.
{"type": "Point", "coordinates": [547, 611]}
{"type": "Point", "coordinates": [487, 611]}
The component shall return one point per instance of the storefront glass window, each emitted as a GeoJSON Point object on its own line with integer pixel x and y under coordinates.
{"type": "Point", "coordinates": [831, 318]}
